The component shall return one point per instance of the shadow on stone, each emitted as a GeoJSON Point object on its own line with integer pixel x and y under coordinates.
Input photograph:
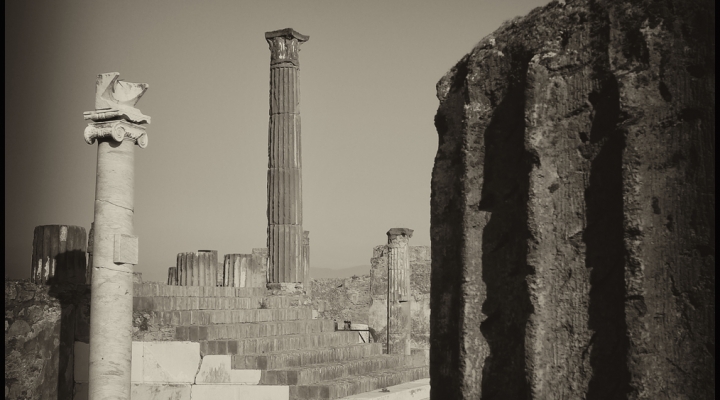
{"type": "Point", "coordinates": [605, 254]}
{"type": "Point", "coordinates": [505, 189]}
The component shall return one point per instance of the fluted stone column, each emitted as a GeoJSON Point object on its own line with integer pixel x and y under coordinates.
{"type": "Point", "coordinates": [306, 258]}
{"type": "Point", "coordinates": [117, 127]}
{"type": "Point", "coordinates": [198, 268]}
{"type": "Point", "coordinates": [399, 323]}
{"type": "Point", "coordinates": [243, 270]}
{"type": "Point", "coordinates": [207, 267]}
{"type": "Point", "coordinates": [285, 231]}
{"type": "Point", "coordinates": [58, 254]}
{"type": "Point", "coordinates": [172, 276]}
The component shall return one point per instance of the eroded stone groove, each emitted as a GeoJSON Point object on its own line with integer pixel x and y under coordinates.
{"type": "Point", "coordinates": [572, 207]}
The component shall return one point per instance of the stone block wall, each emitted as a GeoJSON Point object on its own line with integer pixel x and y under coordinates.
{"type": "Point", "coordinates": [41, 325]}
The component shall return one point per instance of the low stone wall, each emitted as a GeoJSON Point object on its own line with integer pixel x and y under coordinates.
{"type": "Point", "coordinates": [41, 324]}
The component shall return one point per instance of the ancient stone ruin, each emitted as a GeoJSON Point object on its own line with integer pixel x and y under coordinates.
{"type": "Point", "coordinates": [240, 326]}
{"type": "Point", "coordinates": [572, 227]}
{"type": "Point", "coordinates": [573, 207]}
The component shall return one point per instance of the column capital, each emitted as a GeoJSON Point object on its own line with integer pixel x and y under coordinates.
{"type": "Point", "coordinates": [284, 46]}
{"type": "Point", "coordinates": [116, 99]}
{"type": "Point", "coordinates": [395, 234]}
{"type": "Point", "coordinates": [118, 130]}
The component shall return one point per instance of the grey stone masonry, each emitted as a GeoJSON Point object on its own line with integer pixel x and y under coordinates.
{"type": "Point", "coordinates": [284, 212]}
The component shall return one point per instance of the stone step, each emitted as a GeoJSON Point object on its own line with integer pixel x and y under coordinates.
{"type": "Point", "coordinates": [356, 384]}
{"type": "Point", "coordinates": [277, 343]}
{"type": "Point", "coordinates": [310, 374]}
{"type": "Point", "coordinates": [297, 358]}
{"type": "Point", "coordinates": [152, 289]}
{"type": "Point", "coordinates": [181, 303]}
{"type": "Point", "coordinates": [212, 317]}
{"type": "Point", "coordinates": [252, 330]}
{"type": "Point", "coordinates": [415, 390]}
{"type": "Point", "coordinates": [237, 392]}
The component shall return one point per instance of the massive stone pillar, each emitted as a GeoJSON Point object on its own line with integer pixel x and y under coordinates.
{"type": "Point", "coordinates": [399, 323]}
{"type": "Point", "coordinates": [573, 208]}
{"type": "Point", "coordinates": [117, 128]}
{"type": "Point", "coordinates": [285, 231]}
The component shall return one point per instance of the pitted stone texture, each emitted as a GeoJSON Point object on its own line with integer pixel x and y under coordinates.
{"type": "Point", "coordinates": [41, 324]}
{"type": "Point", "coordinates": [572, 207]}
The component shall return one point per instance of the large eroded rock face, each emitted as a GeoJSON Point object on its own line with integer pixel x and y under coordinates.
{"type": "Point", "coordinates": [573, 207]}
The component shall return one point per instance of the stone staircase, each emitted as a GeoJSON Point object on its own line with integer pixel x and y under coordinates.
{"type": "Point", "coordinates": [232, 343]}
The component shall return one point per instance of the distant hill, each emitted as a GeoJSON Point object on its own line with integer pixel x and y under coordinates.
{"type": "Point", "coordinates": [319, 273]}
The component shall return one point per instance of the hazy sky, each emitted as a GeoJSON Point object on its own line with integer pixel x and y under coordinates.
{"type": "Point", "coordinates": [367, 84]}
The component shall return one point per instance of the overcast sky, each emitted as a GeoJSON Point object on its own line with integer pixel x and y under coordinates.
{"type": "Point", "coordinates": [367, 84]}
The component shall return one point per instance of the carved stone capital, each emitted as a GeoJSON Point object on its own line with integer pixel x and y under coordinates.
{"type": "Point", "coordinates": [118, 130]}
{"type": "Point", "coordinates": [284, 46]}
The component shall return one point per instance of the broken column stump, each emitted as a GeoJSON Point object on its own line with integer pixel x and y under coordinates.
{"type": "Point", "coordinates": [58, 254]}
{"type": "Point", "coordinates": [399, 322]}
{"type": "Point", "coordinates": [197, 268]}
{"type": "Point", "coordinates": [573, 207]}
{"type": "Point", "coordinates": [172, 279]}
{"type": "Point", "coordinates": [243, 270]}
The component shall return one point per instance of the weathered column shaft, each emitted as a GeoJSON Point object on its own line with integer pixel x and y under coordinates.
{"type": "Point", "coordinates": [399, 323]}
{"type": "Point", "coordinates": [285, 232]}
{"type": "Point", "coordinates": [111, 297]}
{"type": "Point", "coordinates": [58, 254]}
{"type": "Point", "coordinates": [306, 257]}
{"type": "Point", "coordinates": [115, 248]}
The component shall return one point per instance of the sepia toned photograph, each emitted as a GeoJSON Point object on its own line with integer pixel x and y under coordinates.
{"type": "Point", "coordinates": [360, 200]}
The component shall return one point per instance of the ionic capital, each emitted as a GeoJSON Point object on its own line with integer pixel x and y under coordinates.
{"type": "Point", "coordinates": [118, 130]}
{"type": "Point", "coordinates": [284, 46]}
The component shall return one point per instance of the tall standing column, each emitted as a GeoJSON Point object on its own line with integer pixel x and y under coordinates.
{"type": "Point", "coordinates": [285, 231]}
{"type": "Point", "coordinates": [399, 323]}
{"type": "Point", "coordinates": [117, 128]}
{"type": "Point", "coordinates": [306, 258]}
